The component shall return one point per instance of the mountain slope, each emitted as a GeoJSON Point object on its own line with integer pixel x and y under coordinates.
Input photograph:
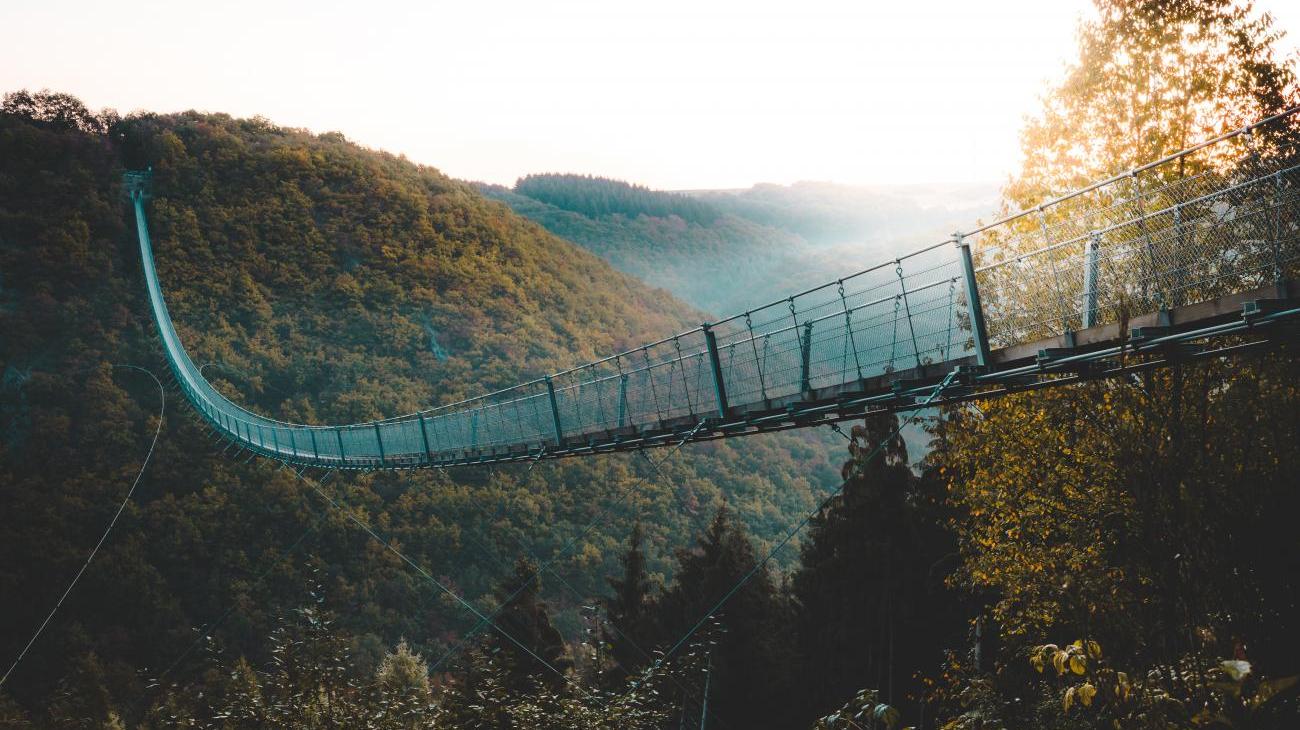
{"type": "Point", "coordinates": [681, 255]}
{"type": "Point", "coordinates": [726, 251]}
{"type": "Point", "coordinates": [324, 282]}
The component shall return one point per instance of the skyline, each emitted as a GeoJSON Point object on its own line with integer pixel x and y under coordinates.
{"type": "Point", "coordinates": [673, 97]}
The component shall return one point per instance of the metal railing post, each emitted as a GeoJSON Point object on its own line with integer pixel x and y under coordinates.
{"type": "Point", "coordinates": [315, 450]}
{"type": "Point", "coordinates": [805, 358]}
{"type": "Point", "coordinates": [379, 439]}
{"type": "Point", "coordinates": [848, 328]}
{"type": "Point", "coordinates": [339, 433]}
{"type": "Point", "coordinates": [622, 399]}
{"type": "Point", "coordinates": [650, 376]}
{"type": "Point", "coordinates": [978, 331]}
{"type": "Point", "coordinates": [758, 363]}
{"type": "Point", "coordinates": [1091, 270]}
{"type": "Point", "coordinates": [719, 387]}
{"type": "Point", "coordinates": [424, 434]}
{"type": "Point", "coordinates": [555, 412]}
{"type": "Point", "coordinates": [1146, 235]}
{"type": "Point", "coordinates": [686, 386]}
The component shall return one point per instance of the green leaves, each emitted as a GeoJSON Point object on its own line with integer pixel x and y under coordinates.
{"type": "Point", "coordinates": [863, 711]}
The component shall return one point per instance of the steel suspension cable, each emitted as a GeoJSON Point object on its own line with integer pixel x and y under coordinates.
{"type": "Point", "coordinates": [162, 410]}
{"type": "Point", "coordinates": [563, 552]}
{"type": "Point", "coordinates": [206, 631]}
{"type": "Point", "coordinates": [483, 619]}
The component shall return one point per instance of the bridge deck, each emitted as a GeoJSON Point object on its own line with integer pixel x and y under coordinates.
{"type": "Point", "coordinates": [1126, 273]}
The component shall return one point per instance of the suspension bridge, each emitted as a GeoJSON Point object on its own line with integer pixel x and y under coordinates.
{"type": "Point", "coordinates": [1156, 265]}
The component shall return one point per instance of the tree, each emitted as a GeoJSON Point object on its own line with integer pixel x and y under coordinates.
{"type": "Point", "coordinates": [526, 621]}
{"type": "Point", "coordinates": [870, 603]}
{"type": "Point", "coordinates": [1153, 77]}
{"type": "Point", "coordinates": [57, 111]}
{"type": "Point", "coordinates": [751, 661]}
{"type": "Point", "coordinates": [402, 682]}
{"type": "Point", "coordinates": [1129, 512]}
{"type": "Point", "coordinates": [629, 610]}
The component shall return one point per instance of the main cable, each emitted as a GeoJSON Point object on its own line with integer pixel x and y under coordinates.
{"type": "Point", "coordinates": [162, 410]}
{"type": "Point", "coordinates": [429, 577]}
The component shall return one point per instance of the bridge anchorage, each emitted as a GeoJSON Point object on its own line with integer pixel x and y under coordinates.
{"type": "Point", "coordinates": [1195, 255]}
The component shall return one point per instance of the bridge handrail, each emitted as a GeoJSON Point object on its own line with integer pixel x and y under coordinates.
{"type": "Point", "coordinates": [885, 264]}
{"type": "Point", "coordinates": [698, 339]}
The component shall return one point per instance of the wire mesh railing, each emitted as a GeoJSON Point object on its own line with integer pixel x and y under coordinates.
{"type": "Point", "coordinates": [1219, 218]}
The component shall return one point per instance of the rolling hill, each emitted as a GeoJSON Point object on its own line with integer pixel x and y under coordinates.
{"type": "Point", "coordinates": [323, 282]}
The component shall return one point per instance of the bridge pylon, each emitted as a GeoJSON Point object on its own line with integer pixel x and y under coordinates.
{"type": "Point", "coordinates": [139, 183]}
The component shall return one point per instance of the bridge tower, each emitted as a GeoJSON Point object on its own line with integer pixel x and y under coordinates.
{"type": "Point", "coordinates": [139, 184]}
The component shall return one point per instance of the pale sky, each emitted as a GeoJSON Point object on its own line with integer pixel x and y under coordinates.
{"type": "Point", "coordinates": [671, 94]}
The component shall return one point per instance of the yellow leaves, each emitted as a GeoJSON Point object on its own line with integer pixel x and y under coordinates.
{"type": "Point", "coordinates": [1068, 700]}
{"type": "Point", "coordinates": [1078, 664]}
{"type": "Point", "coordinates": [1270, 688]}
{"type": "Point", "coordinates": [1073, 659]}
{"type": "Point", "coordinates": [1122, 686]}
{"type": "Point", "coordinates": [1086, 693]}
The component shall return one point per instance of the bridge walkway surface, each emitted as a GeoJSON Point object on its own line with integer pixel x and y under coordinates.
{"type": "Point", "coordinates": [1192, 256]}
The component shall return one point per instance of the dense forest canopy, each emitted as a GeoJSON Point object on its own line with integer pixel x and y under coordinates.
{"type": "Point", "coordinates": [598, 196]}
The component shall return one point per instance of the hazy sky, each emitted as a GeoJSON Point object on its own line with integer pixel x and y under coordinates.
{"type": "Point", "coordinates": [671, 94]}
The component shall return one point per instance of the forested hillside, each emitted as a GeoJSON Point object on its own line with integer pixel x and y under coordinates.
{"type": "Point", "coordinates": [597, 196]}
{"type": "Point", "coordinates": [679, 254]}
{"type": "Point", "coordinates": [771, 240]}
{"type": "Point", "coordinates": [318, 282]}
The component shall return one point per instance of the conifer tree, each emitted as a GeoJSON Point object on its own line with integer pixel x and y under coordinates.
{"type": "Point", "coordinates": [749, 667]}
{"type": "Point", "coordinates": [629, 609]}
{"type": "Point", "coordinates": [870, 603]}
{"type": "Point", "coordinates": [527, 620]}
{"type": "Point", "coordinates": [402, 682]}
